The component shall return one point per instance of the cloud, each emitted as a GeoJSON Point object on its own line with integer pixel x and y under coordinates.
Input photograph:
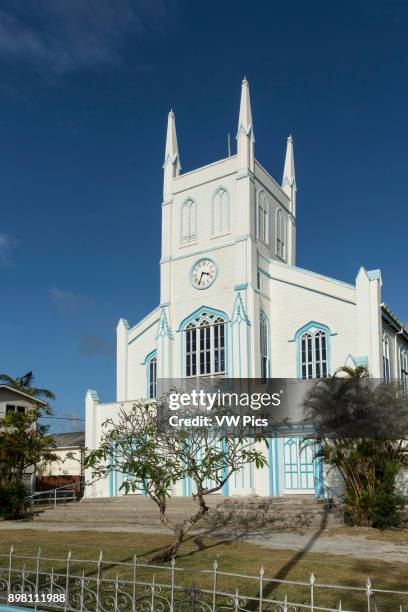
{"type": "Point", "coordinates": [67, 35]}
{"type": "Point", "coordinates": [7, 244]}
{"type": "Point", "coordinates": [67, 301]}
{"type": "Point", "coordinates": [90, 346]}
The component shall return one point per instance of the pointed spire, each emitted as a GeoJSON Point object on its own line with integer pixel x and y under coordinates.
{"type": "Point", "coordinates": [245, 114]}
{"type": "Point", "coordinates": [171, 164]}
{"type": "Point", "coordinates": [289, 177]}
{"type": "Point", "coordinates": [245, 133]}
{"type": "Point", "coordinates": [289, 169]}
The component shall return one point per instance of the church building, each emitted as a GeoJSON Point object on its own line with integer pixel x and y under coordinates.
{"type": "Point", "coordinates": [233, 303]}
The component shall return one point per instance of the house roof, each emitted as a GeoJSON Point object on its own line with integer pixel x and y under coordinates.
{"type": "Point", "coordinates": [35, 400]}
{"type": "Point", "coordinates": [70, 438]}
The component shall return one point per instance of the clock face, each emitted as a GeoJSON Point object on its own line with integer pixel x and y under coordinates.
{"type": "Point", "coordinates": [204, 274]}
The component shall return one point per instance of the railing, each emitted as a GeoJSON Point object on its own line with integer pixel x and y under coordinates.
{"type": "Point", "coordinates": [52, 497]}
{"type": "Point", "coordinates": [110, 586]}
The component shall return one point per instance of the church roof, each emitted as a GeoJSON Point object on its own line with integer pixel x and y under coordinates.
{"type": "Point", "coordinates": [393, 320]}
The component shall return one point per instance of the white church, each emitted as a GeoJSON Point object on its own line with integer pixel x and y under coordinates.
{"type": "Point", "coordinates": [233, 303]}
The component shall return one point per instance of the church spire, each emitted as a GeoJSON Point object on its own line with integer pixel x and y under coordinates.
{"type": "Point", "coordinates": [245, 134]}
{"type": "Point", "coordinates": [289, 179]}
{"type": "Point", "coordinates": [171, 164]}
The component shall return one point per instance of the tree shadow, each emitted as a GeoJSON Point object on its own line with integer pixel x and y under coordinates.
{"type": "Point", "coordinates": [270, 587]}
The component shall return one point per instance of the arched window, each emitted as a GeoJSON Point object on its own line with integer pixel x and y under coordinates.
{"type": "Point", "coordinates": [152, 376]}
{"type": "Point", "coordinates": [264, 347]}
{"type": "Point", "coordinates": [205, 345]}
{"type": "Point", "coordinates": [263, 217]}
{"type": "Point", "coordinates": [386, 358]}
{"type": "Point", "coordinates": [404, 367]}
{"type": "Point", "coordinates": [221, 213]}
{"type": "Point", "coordinates": [281, 234]}
{"type": "Point", "coordinates": [189, 222]}
{"type": "Point", "coordinates": [314, 354]}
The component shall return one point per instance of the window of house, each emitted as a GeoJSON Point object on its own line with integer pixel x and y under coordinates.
{"type": "Point", "coordinates": [281, 234]}
{"type": "Point", "coordinates": [189, 222]}
{"type": "Point", "coordinates": [11, 408]}
{"type": "Point", "coordinates": [264, 347]}
{"type": "Point", "coordinates": [314, 354]}
{"type": "Point", "coordinates": [205, 345]}
{"type": "Point", "coordinates": [386, 358]}
{"type": "Point", "coordinates": [221, 213]}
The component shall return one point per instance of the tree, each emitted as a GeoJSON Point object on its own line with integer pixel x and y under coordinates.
{"type": "Point", "coordinates": [361, 429]}
{"type": "Point", "coordinates": [25, 383]}
{"type": "Point", "coordinates": [153, 459]}
{"type": "Point", "coordinates": [24, 444]}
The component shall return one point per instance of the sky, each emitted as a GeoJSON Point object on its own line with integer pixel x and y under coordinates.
{"type": "Point", "coordinates": [85, 89]}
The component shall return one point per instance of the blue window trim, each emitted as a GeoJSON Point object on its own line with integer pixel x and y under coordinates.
{"type": "Point", "coordinates": [146, 362]}
{"type": "Point", "coordinates": [191, 317]}
{"type": "Point", "coordinates": [297, 339]}
{"type": "Point", "coordinates": [220, 188]}
{"type": "Point", "coordinates": [194, 203]}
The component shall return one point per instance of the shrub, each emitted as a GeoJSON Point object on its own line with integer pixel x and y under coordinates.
{"type": "Point", "coordinates": [12, 500]}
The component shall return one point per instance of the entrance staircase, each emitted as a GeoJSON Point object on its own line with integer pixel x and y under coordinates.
{"type": "Point", "coordinates": [291, 512]}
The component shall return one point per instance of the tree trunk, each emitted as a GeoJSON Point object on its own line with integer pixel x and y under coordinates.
{"type": "Point", "coordinates": [168, 553]}
{"type": "Point", "coordinates": [180, 532]}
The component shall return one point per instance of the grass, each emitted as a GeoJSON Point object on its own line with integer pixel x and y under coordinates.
{"type": "Point", "coordinates": [199, 553]}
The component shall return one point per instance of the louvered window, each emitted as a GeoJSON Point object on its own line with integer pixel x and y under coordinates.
{"type": "Point", "coordinates": [263, 229]}
{"type": "Point", "coordinates": [221, 221]}
{"type": "Point", "coordinates": [281, 234]}
{"type": "Point", "coordinates": [189, 222]}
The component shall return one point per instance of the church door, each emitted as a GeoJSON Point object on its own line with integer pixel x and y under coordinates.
{"type": "Point", "coordinates": [298, 466]}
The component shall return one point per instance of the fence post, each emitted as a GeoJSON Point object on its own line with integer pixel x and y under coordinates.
{"type": "Point", "coordinates": [115, 609]}
{"type": "Point", "coordinates": [153, 590]}
{"type": "Point", "coordinates": [261, 576]}
{"type": "Point", "coordinates": [82, 591]}
{"type": "Point", "coordinates": [215, 567]}
{"type": "Point", "coordinates": [312, 581]}
{"type": "Point", "coordinates": [37, 575]}
{"type": "Point", "coordinates": [55, 498]}
{"type": "Point", "coordinates": [67, 582]}
{"type": "Point", "coordinates": [173, 571]}
{"type": "Point", "coordinates": [98, 578]}
{"type": "Point", "coordinates": [134, 583]}
{"type": "Point", "coordinates": [10, 571]}
{"type": "Point", "coordinates": [369, 593]}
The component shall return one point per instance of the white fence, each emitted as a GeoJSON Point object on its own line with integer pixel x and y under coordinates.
{"type": "Point", "coordinates": [80, 585]}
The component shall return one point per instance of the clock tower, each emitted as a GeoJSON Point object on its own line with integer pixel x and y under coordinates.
{"type": "Point", "coordinates": [218, 222]}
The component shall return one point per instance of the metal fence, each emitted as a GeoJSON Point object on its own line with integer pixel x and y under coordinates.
{"type": "Point", "coordinates": [80, 585]}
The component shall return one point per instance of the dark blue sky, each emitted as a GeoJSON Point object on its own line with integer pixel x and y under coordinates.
{"type": "Point", "coordinates": [84, 94]}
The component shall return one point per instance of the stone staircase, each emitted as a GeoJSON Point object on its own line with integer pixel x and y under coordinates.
{"type": "Point", "coordinates": [290, 512]}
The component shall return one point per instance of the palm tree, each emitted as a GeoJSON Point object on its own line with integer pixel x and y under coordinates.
{"type": "Point", "coordinates": [25, 384]}
{"type": "Point", "coordinates": [360, 428]}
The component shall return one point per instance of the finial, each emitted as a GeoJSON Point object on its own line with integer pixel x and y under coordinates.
{"type": "Point", "coordinates": [290, 138]}
{"type": "Point", "coordinates": [171, 114]}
